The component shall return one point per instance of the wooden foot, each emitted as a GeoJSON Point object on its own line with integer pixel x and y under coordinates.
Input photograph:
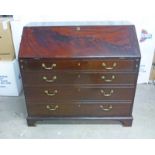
{"type": "Point", "coordinates": [127, 123]}
{"type": "Point", "coordinates": [30, 123]}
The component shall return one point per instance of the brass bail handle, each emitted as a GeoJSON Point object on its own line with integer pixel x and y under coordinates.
{"type": "Point", "coordinates": [108, 80]}
{"type": "Point", "coordinates": [107, 94]}
{"type": "Point", "coordinates": [109, 68]}
{"type": "Point", "coordinates": [51, 94]}
{"type": "Point", "coordinates": [49, 80]}
{"type": "Point", "coordinates": [106, 109]}
{"type": "Point", "coordinates": [48, 68]}
{"type": "Point", "coordinates": [51, 108]}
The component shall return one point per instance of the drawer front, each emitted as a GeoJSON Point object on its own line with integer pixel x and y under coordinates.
{"type": "Point", "coordinates": [81, 110]}
{"type": "Point", "coordinates": [104, 65]}
{"type": "Point", "coordinates": [52, 78]}
{"type": "Point", "coordinates": [41, 94]}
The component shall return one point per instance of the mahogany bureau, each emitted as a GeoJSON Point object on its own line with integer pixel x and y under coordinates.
{"type": "Point", "coordinates": [79, 74]}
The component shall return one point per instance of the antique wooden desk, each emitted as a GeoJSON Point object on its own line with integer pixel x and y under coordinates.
{"type": "Point", "coordinates": [79, 73]}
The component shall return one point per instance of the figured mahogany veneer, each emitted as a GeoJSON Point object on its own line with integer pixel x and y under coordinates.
{"type": "Point", "coordinates": [79, 73]}
{"type": "Point", "coordinates": [72, 42]}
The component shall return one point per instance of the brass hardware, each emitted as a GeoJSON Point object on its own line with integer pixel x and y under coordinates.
{"type": "Point", "coordinates": [48, 68]}
{"type": "Point", "coordinates": [109, 68]}
{"type": "Point", "coordinates": [79, 64]}
{"type": "Point", "coordinates": [78, 28]}
{"type": "Point", "coordinates": [49, 107]}
{"type": "Point", "coordinates": [52, 80]}
{"type": "Point", "coordinates": [106, 109]}
{"type": "Point", "coordinates": [51, 94]}
{"type": "Point", "coordinates": [108, 80]}
{"type": "Point", "coordinates": [107, 94]}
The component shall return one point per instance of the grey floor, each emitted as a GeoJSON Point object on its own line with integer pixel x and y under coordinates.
{"type": "Point", "coordinates": [13, 123]}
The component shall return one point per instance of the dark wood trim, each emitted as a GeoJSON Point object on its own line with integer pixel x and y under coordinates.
{"type": "Point", "coordinates": [126, 121]}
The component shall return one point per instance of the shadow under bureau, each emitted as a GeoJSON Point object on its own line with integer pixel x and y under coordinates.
{"type": "Point", "coordinates": [79, 73]}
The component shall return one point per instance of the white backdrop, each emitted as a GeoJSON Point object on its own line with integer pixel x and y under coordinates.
{"type": "Point", "coordinates": [140, 13]}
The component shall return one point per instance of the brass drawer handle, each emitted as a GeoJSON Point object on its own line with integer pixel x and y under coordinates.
{"type": "Point", "coordinates": [51, 94]}
{"type": "Point", "coordinates": [47, 80]}
{"type": "Point", "coordinates": [48, 68]}
{"type": "Point", "coordinates": [108, 80]}
{"type": "Point", "coordinates": [49, 107]}
{"type": "Point", "coordinates": [107, 94]}
{"type": "Point", "coordinates": [79, 64]}
{"type": "Point", "coordinates": [106, 109]}
{"type": "Point", "coordinates": [109, 68]}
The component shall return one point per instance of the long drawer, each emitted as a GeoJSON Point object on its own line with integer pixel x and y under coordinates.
{"type": "Point", "coordinates": [56, 77]}
{"type": "Point", "coordinates": [41, 94]}
{"type": "Point", "coordinates": [79, 64]}
{"type": "Point", "coordinates": [81, 110]}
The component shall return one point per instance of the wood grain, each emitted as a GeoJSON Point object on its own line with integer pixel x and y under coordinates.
{"type": "Point", "coordinates": [89, 41]}
{"type": "Point", "coordinates": [72, 73]}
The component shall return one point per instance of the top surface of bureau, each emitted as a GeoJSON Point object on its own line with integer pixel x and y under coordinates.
{"type": "Point", "coordinates": [79, 42]}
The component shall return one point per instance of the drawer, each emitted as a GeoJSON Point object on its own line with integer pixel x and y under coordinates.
{"type": "Point", "coordinates": [62, 78]}
{"type": "Point", "coordinates": [81, 110]}
{"type": "Point", "coordinates": [41, 94]}
{"type": "Point", "coordinates": [80, 64]}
